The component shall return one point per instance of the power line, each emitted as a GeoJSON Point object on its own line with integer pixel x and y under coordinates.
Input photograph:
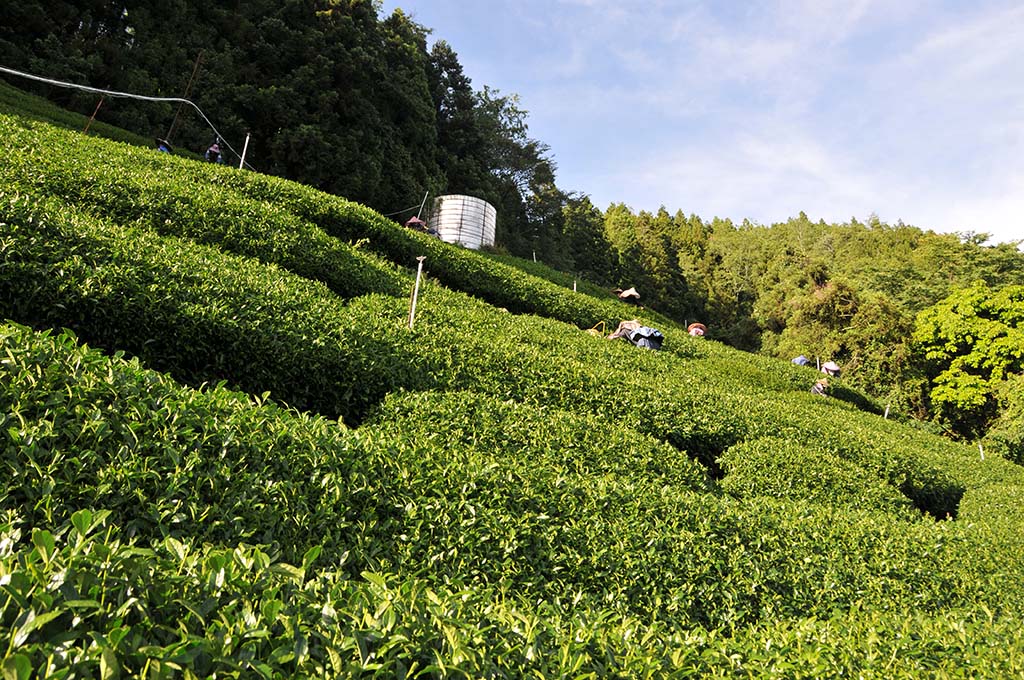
{"type": "Point", "coordinates": [126, 95]}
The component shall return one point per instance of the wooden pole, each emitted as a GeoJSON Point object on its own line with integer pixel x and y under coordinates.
{"type": "Point", "coordinates": [93, 116]}
{"type": "Point", "coordinates": [188, 91]}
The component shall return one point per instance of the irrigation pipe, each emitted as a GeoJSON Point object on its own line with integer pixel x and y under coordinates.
{"type": "Point", "coordinates": [126, 95]}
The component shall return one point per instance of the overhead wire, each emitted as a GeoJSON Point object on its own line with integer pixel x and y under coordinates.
{"type": "Point", "coordinates": [404, 210]}
{"type": "Point", "coordinates": [126, 95]}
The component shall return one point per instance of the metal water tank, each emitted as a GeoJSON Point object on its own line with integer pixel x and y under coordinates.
{"type": "Point", "coordinates": [466, 220]}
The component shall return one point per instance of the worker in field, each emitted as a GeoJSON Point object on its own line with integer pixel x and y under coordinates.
{"type": "Point", "coordinates": [163, 146]}
{"type": "Point", "coordinates": [638, 334]}
{"type": "Point", "coordinates": [697, 330]}
{"type": "Point", "coordinates": [416, 224]}
{"type": "Point", "coordinates": [630, 296]}
{"type": "Point", "coordinates": [213, 153]}
{"type": "Point", "coordinates": [820, 388]}
{"type": "Point", "coordinates": [831, 369]}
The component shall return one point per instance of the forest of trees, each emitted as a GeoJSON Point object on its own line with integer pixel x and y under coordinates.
{"type": "Point", "coordinates": [333, 95]}
{"type": "Point", "coordinates": [343, 99]}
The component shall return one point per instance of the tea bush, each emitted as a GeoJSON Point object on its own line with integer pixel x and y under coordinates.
{"type": "Point", "coordinates": [499, 284]}
{"type": "Point", "coordinates": [520, 497]}
{"type": "Point", "coordinates": [82, 601]}
{"type": "Point", "coordinates": [432, 487]}
{"type": "Point", "coordinates": [214, 327]}
{"type": "Point", "coordinates": [783, 469]}
{"type": "Point", "coordinates": [14, 101]}
{"type": "Point", "coordinates": [199, 313]}
{"type": "Point", "coordinates": [82, 430]}
{"type": "Point", "coordinates": [125, 187]}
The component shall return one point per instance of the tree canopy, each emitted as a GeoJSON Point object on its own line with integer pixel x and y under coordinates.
{"type": "Point", "coordinates": [973, 344]}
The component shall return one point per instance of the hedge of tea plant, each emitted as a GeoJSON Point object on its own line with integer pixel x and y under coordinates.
{"type": "Point", "coordinates": [690, 403]}
{"type": "Point", "coordinates": [544, 271]}
{"type": "Point", "coordinates": [696, 407]}
{"type": "Point", "coordinates": [83, 601]}
{"type": "Point", "coordinates": [199, 313]}
{"type": "Point", "coordinates": [205, 315]}
{"type": "Point", "coordinates": [520, 497]}
{"type": "Point", "coordinates": [499, 284]}
{"type": "Point", "coordinates": [435, 488]}
{"type": "Point", "coordinates": [126, 185]}
{"type": "Point", "coordinates": [783, 469]}
{"type": "Point", "coordinates": [174, 198]}
{"type": "Point", "coordinates": [16, 102]}
{"type": "Point", "coordinates": [864, 562]}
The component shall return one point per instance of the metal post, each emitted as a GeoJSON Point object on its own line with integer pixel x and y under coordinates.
{"type": "Point", "coordinates": [886, 416]}
{"type": "Point", "coordinates": [981, 451]}
{"type": "Point", "coordinates": [244, 149]}
{"type": "Point", "coordinates": [422, 203]}
{"type": "Point", "coordinates": [416, 290]}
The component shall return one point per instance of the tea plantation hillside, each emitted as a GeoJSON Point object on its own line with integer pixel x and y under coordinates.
{"type": "Point", "coordinates": [14, 101]}
{"type": "Point", "coordinates": [226, 454]}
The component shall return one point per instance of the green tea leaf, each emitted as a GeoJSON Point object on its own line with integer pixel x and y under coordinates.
{"type": "Point", "coordinates": [17, 667]}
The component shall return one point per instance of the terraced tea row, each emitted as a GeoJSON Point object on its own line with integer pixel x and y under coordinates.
{"type": "Point", "coordinates": [519, 495]}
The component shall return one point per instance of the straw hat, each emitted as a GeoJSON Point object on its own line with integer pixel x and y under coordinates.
{"type": "Point", "coordinates": [628, 293]}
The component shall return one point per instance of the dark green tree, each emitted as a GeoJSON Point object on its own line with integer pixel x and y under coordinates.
{"type": "Point", "coordinates": [460, 138]}
{"type": "Point", "coordinates": [589, 248]}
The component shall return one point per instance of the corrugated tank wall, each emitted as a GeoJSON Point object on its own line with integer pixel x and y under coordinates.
{"type": "Point", "coordinates": [466, 220]}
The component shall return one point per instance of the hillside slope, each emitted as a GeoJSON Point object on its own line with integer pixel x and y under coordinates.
{"type": "Point", "coordinates": [242, 461]}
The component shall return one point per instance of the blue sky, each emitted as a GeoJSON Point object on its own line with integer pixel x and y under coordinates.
{"type": "Point", "coordinates": [909, 110]}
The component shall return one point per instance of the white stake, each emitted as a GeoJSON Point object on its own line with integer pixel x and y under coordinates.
{"type": "Point", "coordinates": [981, 451]}
{"type": "Point", "coordinates": [422, 203]}
{"type": "Point", "coordinates": [416, 290]}
{"type": "Point", "coordinates": [245, 148]}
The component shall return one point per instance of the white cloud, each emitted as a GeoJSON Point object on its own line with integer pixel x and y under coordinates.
{"type": "Point", "coordinates": [912, 110]}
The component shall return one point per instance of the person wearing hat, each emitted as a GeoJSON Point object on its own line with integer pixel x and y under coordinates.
{"type": "Point", "coordinates": [213, 154]}
{"type": "Point", "coordinates": [820, 388]}
{"type": "Point", "coordinates": [416, 223]}
{"type": "Point", "coordinates": [831, 369]}
{"type": "Point", "coordinates": [163, 146]}
{"type": "Point", "coordinates": [697, 330]}
{"type": "Point", "coordinates": [629, 296]}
